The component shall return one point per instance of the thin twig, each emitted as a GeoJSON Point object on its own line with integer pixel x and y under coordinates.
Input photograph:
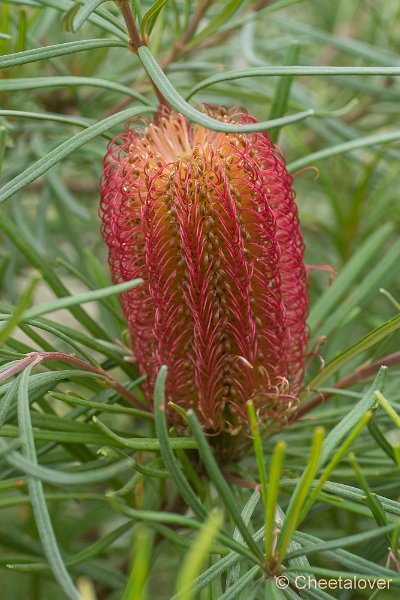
{"type": "Point", "coordinates": [363, 372]}
{"type": "Point", "coordinates": [179, 50]}
{"type": "Point", "coordinates": [135, 41]}
{"type": "Point", "coordinates": [244, 483]}
{"type": "Point", "coordinates": [180, 44]}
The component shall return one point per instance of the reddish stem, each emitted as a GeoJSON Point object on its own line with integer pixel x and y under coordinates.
{"type": "Point", "coordinates": [35, 358]}
{"type": "Point", "coordinates": [135, 41]}
{"type": "Point", "coordinates": [361, 373]}
{"type": "Point", "coordinates": [244, 483]}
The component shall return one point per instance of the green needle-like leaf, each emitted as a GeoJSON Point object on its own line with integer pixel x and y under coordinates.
{"type": "Point", "coordinates": [362, 142]}
{"type": "Point", "coordinates": [62, 151]}
{"type": "Point", "coordinates": [330, 299]}
{"type": "Point", "coordinates": [271, 500]}
{"type": "Point", "coordinates": [38, 500]}
{"type": "Point", "coordinates": [136, 588]}
{"type": "Point", "coordinates": [9, 326]}
{"type": "Point", "coordinates": [167, 454]}
{"type": "Point", "coordinates": [84, 13]}
{"type": "Point", "coordinates": [35, 83]}
{"type": "Point", "coordinates": [299, 496]}
{"type": "Point", "coordinates": [179, 104]}
{"type": "Point", "coordinates": [48, 52]}
{"type": "Point", "coordinates": [219, 481]}
{"type": "Point", "coordinates": [293, 71]}
{"type": "Point", "coordinates": [78, 299]}
{"type": "Point", "coordinates": [150, 17]}
{"type": "Point", "coordinates": [387, 408]}
{"type": "Point", "coordinates": [197, 555]}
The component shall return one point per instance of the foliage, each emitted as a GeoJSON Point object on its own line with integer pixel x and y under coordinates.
{"type": "Point", "coordinates": [98, 498]}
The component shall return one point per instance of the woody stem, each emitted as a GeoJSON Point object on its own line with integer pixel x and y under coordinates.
{"type": "Point", "coordinates": [135, 41]}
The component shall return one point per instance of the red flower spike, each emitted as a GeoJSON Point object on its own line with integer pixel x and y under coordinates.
{"type": "Point", "coordinates": [209, 221]}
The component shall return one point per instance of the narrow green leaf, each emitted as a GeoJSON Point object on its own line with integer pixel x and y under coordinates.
{"type": "Point", "coordinates": [171, 518]}
{"type": "Point", "coordinates": [293, 71]}
{"type": "Point", "coordinates": [83, 13]}
{"type": "Point", "coordinates": [299, 495]}
{"type": "Point", "coordinates": [343, 557]}
{"type": "Point", "coordinates": [347, 492]}
{"type": "Point", "coordinates": [102, 18]}
{"type": "Point", "coordinates": [336, 458]}
{"type": "Point", "coordinates": [166, 445]}
{"type": "Point", "coordinates": [197, 555]}
{"type": "Point", "coordinates": [82, 298]}
{"type": "Point", "coordinates": [219, 481]}
{"type": "Point", "coordinates": [6, 402]}
{"type": "Point", "coordinates": [150, 17]}
{"type": "Point", "coordinates": [69, 15]}
{"type": "Point", "coordinates": [34, 83]}
{"type": "Point", "coordinates": [219, 19]}
{"type": "Point", "coordinates": [22, 28]}
{"type": "Point", "coordinates": [271, 501]}
{"type": "Point", "coordinates": [84, 555]}
{"type": "Point", "coordinates": [179, 104]}
{"type": "Point", "coordinates": [48, 52]}
{"type": "Point", "coordinates": [362, 291]}
{"type": "Point", "coordinates": [387, 408]}
{"type": "Point", "coordinates": [282, 90]}
{"type": "Point", "coordinates": [363, 142]}
{"type": "Point", "coordinates": [349, 421]}
{"type": "Point", "coordinates": [258, 449]}
{"type": "Point", "coordinates": [241, 584]}
{"type": "Point", "coordinates": [88, 357]}
{"type": "Point", "coordinates": [25, 301]}
{"type": "Point", "coordinates": [38, 500]}
{"type": "Point", "coordinates": [358, 538]}
{"type": "Point", "coordinates": [136, 588]}
{"type": "Point", "coordinates": [102, 407]}
{"type": "Point", "coordinates": [359, 260]}
{"type": "Point", "coordinates": [144, 469]}
{"type": "Point", "coordinates": [63, 150]}
{"type": "Point", "coordinates": [55, 118]}
{"type": "Point", "coordinates": [218, 568]}
{"type": "Point", "coordinates": [335, 574]}
{"type": "Point", "coordinates": [98, 439]}
{"type": "Point", "coordinates": [246, 514]}
{"type": "Point", "coordinates": [381, 440]}
{"type": "Point", "coordinates": [358, 348]}
{"type": "Point", "coordinates": [15, 444]}
{"type": "Point", "coordinates": [69, 335]}
{"type": "Point", "coordinates": [351, 45]}
{"type": "Point", "coordinates": [145, 443]}
{"type": "Point", "coordinates": [370, 498]}
{"type": "Point", "coordinates": [31, 468]}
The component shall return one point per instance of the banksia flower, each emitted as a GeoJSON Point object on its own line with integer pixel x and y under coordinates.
{"type": "Point", "coordinates": [209, 222]}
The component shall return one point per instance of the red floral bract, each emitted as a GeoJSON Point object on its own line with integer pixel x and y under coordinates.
{"type": "Point", "coordinates": [209, 222]}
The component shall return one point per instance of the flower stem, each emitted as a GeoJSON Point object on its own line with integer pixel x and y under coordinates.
{"type": "Point", "coordinates": [135, 41]}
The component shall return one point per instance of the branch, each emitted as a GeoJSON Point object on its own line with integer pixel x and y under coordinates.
{"type": "Point", "coordinates": [135, 41]}
{"type": "Point", "coordinates": [39, 357]}
{"type": "Point", "coordinates": [363, 372]}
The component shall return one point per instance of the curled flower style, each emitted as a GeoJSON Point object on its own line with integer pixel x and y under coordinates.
{"type": "Point", "coordinates": [208, 220]}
